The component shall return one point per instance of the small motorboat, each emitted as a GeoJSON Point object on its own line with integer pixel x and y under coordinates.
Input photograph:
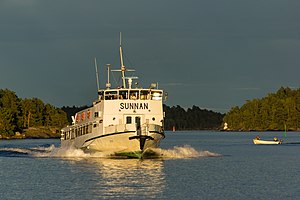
{"type": "Point", "coordinates": [257, 140]}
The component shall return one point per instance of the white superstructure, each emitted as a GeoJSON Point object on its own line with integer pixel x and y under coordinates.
{"type": "Point", "coordinates": [126, 120]}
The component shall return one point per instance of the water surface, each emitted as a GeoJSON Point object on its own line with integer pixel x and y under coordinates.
{"type": "Point", "coordinates": [192, 165]}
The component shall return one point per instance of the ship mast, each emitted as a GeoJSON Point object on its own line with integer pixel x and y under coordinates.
{"type": "Point", "coordinates": [97, 75]}
{"type": "Point", "coordinates": [123, 69]}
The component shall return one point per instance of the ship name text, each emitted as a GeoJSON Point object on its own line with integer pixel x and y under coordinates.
{"type": "Point", "coordinates": [128, 106]}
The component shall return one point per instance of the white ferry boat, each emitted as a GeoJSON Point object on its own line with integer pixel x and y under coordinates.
{"type": "Point", "coordinates": [126, 120]}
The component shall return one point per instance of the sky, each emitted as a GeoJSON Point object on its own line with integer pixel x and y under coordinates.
{"type": "Point", "coordinates": [214, 54]}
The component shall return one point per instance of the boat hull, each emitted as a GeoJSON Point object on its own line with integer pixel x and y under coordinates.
{"type": "Point", "coordinates": [119, 144]}
{"type": "Point", "coordinates": [256, 141]}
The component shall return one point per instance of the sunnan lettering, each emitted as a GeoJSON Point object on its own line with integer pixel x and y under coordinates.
{"type": "Point", "coordinates": [134, 106]}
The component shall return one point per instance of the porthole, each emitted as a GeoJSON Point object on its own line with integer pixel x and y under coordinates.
{"type": "Point", "coordinates": [153, 118]}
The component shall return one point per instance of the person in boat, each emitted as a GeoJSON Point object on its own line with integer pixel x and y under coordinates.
{"type": "Point", "coordinates": [275, 139]}
{"type": "Point", "coordinates": [257, 137]}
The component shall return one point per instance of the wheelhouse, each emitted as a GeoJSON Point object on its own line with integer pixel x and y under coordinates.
{"type": "Point", "coordinates": [131, 94]}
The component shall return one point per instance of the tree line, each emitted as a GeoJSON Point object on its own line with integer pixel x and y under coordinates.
{"type": "Point", "coordinates": [193, 118]}
{"type": "Point", "coordinates": [18, 114]}
{"type": "Point", "coordinates": [276, 111]}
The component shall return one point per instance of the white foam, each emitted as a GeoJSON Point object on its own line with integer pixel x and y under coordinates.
{"type": "Point", "coordinates": [51, 151]}
{"type": "Point", "coordinates": [16, 150]}
{"type": "Point", "coordinates": [185, 151]}
{"type": "Point", "coordinates": [68, 152]}
{"type": "Point", "coordinates": [176, 152]}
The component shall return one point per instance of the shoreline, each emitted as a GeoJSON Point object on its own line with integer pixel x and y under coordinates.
{"type": "Point", "coordinates": [46, 133]}
{"type": "Point", "coordinates": [34, 133]}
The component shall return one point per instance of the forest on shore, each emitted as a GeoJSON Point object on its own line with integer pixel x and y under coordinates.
{"type": "Point", "coordinates": [193, 118]}
{"type": "Point", "coordinates": [28, 118]}
{"type": "Point", "coordinates": [277, 111]}
{"type": "Point", "coordinates": [32, 118]}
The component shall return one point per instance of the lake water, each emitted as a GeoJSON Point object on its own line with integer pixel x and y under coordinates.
{"type": "Point", "coordinates": [193, 165]}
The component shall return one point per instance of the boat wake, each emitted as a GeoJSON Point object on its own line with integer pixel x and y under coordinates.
{"type": "Point", "coordinates": [58, 152]}
{"type": "Point", "coordinates": [24, 152]}
{"type": "Point", "coordinates": [185, 151]}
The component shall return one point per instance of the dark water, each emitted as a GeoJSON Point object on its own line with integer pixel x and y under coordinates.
{"type": "Point", "coordinates": [193, 165]}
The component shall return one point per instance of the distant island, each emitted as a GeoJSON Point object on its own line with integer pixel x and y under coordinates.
{"type": "Point", "coordinates": [32, 118]}
{"type": "Point", "coordinates": [276, 112]}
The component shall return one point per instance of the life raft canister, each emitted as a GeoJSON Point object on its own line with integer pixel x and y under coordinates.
{"type": "Point", "coordinates": [82, 116]}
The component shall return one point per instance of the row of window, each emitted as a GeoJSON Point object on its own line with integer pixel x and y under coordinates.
{"type": "Point", "coordinates": [135, 120]}
{"type": "Point", "coordinates": [131, 94]}
{"type": "Point", "coordinates": [73, 133]}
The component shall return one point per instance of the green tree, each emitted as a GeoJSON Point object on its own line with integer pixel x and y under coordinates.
{"type": "Point", "coordinates": [9, 112]}
{"type": "Point", "coordinates": [274, 112]}
{"type": "Point", "coordinates": [191, 119]}
{"type": "Point", "coordinates": [54, 116]}
{"type": "Point", "coordinates": [17, 114]}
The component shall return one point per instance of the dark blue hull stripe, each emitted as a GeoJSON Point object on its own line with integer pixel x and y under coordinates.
{"type": "Point", "coordinates": [118, 133]}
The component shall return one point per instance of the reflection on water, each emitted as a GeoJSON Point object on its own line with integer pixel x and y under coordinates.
{"type": "Point", "coordinates": [100, 175]}
{"type": "Point", "coordinates": [129, 177]}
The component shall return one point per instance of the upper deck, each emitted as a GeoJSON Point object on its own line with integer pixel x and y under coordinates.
{"type": "Point", "coordinates": [131, 94]}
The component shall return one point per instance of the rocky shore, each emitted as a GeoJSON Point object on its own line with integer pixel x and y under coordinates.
{"type": "Point", "coordinates": [35, 133]}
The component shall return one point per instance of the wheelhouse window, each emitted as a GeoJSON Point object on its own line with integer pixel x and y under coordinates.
{"type": "Point", "coordinates": [156, 95]}
{"type": "Point", "coordinates": [123, 94]}
{"type": "Point", "coordinates": [100, 94]}
{"type": "Point", "coordinates": [145, 95]}
{"type": "Point", "coordinates": [134, 94]}
{"type": "Point", "coordinates": [111, 95]}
